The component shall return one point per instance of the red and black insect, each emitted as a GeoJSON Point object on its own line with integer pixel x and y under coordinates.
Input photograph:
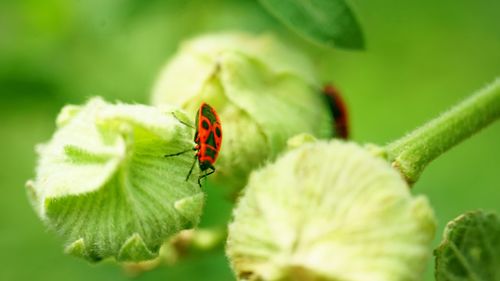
{"type": "Point", "coordinates": [208, 139]}
{"type": "Point", "coordinates": [339, 111]}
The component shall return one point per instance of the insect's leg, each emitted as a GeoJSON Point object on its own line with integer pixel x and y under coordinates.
{"type": "Point", "coordinates": [182, 122]}
{"type": "Point", "coordinates": [179, 153]}
{"type": "Point", "coordinates": [211, 172]}
{"type": "Point", "coordinates": [192, 166]}
{"type": "Point", "coordinates": [206, 174]}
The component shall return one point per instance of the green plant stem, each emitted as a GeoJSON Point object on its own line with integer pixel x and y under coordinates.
{"type": "Point", "coordinates": [411, 153]}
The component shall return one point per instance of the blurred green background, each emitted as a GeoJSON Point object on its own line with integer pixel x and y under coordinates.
{"type": "Point", "coordinates": [421, 57]}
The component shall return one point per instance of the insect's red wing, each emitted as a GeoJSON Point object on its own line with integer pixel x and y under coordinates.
{"type": "Point", "coordinates": [217, 131]}
{"type": "Point", "coordinates": [204, 127]}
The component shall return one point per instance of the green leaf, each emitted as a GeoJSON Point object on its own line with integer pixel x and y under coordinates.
{"type": "Point", "coordinates": [328, 22]}
{"type": "Point", "coordinates": [470, 249]}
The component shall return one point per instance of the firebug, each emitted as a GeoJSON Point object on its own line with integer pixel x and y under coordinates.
{"type": "Point", "coordinates": [208, 139]}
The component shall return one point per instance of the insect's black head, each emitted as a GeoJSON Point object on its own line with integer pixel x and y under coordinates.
{"type": "Point", "coordinates": [205, 165]}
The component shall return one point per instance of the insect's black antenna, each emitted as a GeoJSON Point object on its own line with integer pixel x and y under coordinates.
{"type": "Point", "coordinates": [192, 166]}
{"type": "Point", "coordinates": [179, 153]}
{"type": "Point", "coordinates": [182, 122]}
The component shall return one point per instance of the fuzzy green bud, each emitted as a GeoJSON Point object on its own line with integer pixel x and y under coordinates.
{"type": "Point", "coordinates": [265, 92]}
{"type": "Point", "coordinates": [103, 183]}
{"type": "Point", "coordinates": [329, 211]}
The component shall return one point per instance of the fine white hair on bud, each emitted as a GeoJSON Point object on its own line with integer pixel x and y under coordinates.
{"type": "Point", "coordinates": [264, 92]}
{"type": "Point", "coordinates": [329, 211]}
{"type": "Point", "coordinates": [103, 183]}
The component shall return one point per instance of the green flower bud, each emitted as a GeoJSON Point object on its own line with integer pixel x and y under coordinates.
{"type": "Point", "coordinates": [329, 211]}
{"type": "Point", "coordinates": [103, 183]}
{"type": "Point", "coordinates": [264, 92]}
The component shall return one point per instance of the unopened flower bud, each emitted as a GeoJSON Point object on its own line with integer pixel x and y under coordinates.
{"type": "Point", "coordinates": [329, 211]}
{"type": "Point", "coordinates": [264, 92]}
{"type": "Point", "coordinates": [103, 183]}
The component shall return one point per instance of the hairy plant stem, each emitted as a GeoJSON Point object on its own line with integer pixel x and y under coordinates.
{"type": "Point", "coordinates": [411, 153]}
